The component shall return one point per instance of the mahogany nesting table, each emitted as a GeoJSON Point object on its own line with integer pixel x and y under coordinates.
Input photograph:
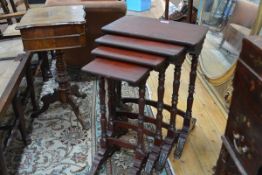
{"type": "Point", "coordinates": [56, 28]}
{"type": "Point", "coordinates": [126, 40]}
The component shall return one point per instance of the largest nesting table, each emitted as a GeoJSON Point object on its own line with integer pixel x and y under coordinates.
{"type": "Point", "coordinates": [168, 39]}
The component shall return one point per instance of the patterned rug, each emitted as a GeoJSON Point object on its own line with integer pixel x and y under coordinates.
{"type": "Point", "coordinates": [59, 146]}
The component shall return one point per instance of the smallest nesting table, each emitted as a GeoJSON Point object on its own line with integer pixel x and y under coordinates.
{"type": "Point", "coordinates": [56, 28]}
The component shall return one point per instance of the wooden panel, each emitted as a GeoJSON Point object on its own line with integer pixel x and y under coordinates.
{"type": "Point", "coordinates": [143, 59]}
{"type": "Point", "coordinates": [65, 42]}
{"type": "Point", "coordinates": [244, 123]}
{"type": "Point", "coordinates": [159, 30]}
{"type": "Point", "coordinates": [51, 31]}
{"type": "Point", "coordinates": [254, 58]}
{"type": "Point", "coordinates": [117, 70]}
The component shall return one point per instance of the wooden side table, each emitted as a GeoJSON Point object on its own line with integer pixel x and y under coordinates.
{"type": "Point", "coordinates": [189, 36]}
{"type": "Point", "coordinates": [56, 28]}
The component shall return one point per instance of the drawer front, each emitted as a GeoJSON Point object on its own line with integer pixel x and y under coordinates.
{"type": "Point", "coordinates": [244, 127]}
{"type": "Point", "coordinates": [54, 37]}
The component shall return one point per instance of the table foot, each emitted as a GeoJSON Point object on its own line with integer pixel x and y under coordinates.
{"type": "Point", "coordinates": [165, 150]}
{"type": "Point", "coordinates": [71, 102]}
{"type": "Point", "coordinates": [47, 100]}
{"type": "Point", "coordinates": [180, 145]}
{"type": "Point", "coordinates": [100, 158]}
{"type": "Point", "coordinates": [192, 124]}
{"type": "Point", "coordinates": [153, 156]}
{"type": "Point", "coordinates": [139, 161]}
{"type": "Point", "coordinates": [182, 138]}
{"type": "Point", "coordinates": [75, 91]}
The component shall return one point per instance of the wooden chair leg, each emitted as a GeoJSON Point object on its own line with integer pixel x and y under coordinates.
{"type": "Point", "coordinates": [19, 113]}
{"type": "Point", "coordinates": [140, 154]}
{"type": "Point", "coordinates": [30, 85]}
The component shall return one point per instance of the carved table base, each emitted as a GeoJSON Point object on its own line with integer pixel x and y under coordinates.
{"type": "Point", "coordinates": [64, 93]}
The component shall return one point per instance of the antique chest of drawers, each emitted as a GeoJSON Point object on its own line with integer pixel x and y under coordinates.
{"type": "Point", "coordinates": [242, 144]}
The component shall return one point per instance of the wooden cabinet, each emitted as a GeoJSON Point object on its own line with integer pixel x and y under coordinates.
{"type": "Point", "coordinates": [242, 143]}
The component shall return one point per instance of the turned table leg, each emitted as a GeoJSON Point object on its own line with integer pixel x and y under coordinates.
{"type": "Point", "coordinates": [105, 150]}
{"type": "Point", "coordinates": [189, 122]}
{"type": "Point", "coordinates": [140, 154]}
{"type": "Point", "coordinates": [111, 107]}
{"type": "Point", "coordinates": [153, 156]}
{"type": "Point", "coordinates": [64, 93]}
{"type": "Point", "coordinates": [171, 133]}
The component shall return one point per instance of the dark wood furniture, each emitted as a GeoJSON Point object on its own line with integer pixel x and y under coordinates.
{"type": "Point", "coordinates": [13, 69]}
{"type": "Point", "coordinates": [56, 28]}
{"type": "Point", "coordinates": [136, 76]}
{"type": "Point", "coordinates": [189, 36]}
{"type": "Point", "coordinates": [156, 52]}
{"type": "Point", "coordinates": [152, 44]}
{"type": "Point", "coordinates": [241, 149]}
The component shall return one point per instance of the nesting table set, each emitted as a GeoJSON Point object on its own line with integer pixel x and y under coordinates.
{"type": "Point", "coordinates": [129, 50]}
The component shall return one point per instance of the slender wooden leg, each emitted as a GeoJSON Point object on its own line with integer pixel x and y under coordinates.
{"type": "Point", "coordinates": [140, 148]}
{"type": "Point", "coordinates": [3, 169]}
{"type": "Point", "coordinates": [171, 134]}
{"type": "Point", "coordinates": [119, 93]}
{"type": "Point", "coordinates": [45, 69]}
{"type": "Point", "coordinates": [188, 120]}
{"type": "Point", "coordinates": [153, 156]}
{"type": "Point", "coordinates": [6, 10]}
{"type": "Point", "coordinates": [111, 107]}
{"type": "Point", "coordinates": [105, 149]}
{"type": "Point", "coordinates": [19, 113]}
{"type": "Point", "coordinates": [30, 85]}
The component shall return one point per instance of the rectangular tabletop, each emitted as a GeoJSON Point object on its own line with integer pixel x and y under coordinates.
{"type": "Point", "coordinates": [160, 30]}
{"type": "Point", "coordinates": [129, 56]}
{"type": "Point", "coordinates": [52, 16]}
{"type": "Point", "coordinates": [152, 47]}
{"type": "Point", "coordinates": [111, 69]}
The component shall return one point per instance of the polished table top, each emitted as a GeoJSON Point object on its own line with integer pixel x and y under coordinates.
{"type": "Point", "coordinates": [159, 30]}
{"type": "Point", "coordinates": [52, 16]}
